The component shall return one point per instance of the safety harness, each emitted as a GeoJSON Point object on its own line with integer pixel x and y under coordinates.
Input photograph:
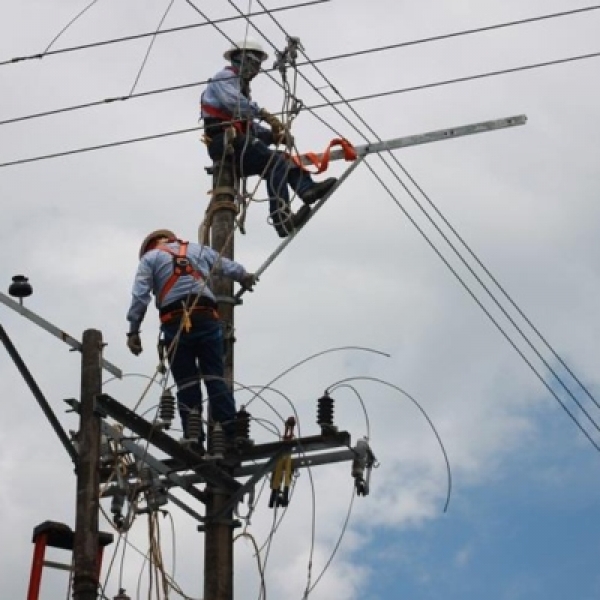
{"type": "Point", "coordinates": [181, 267]}
{"type": "Point", "coordinates": [223, 115]}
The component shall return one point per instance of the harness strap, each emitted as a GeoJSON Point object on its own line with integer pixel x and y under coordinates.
{"type": "Point", "coordinates": [321, 161]}
{"type": "Point", "coordinates": [222, 115]}
{"type": "Point", "coordinates": [181, 267]}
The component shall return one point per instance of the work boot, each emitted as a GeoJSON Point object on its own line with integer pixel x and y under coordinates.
{"type": "Point", "coordinates": [290, 222]}
{"type": "Point", "coordinates": [301, 216]}
{"type": "Point", "coordinates": [283, 221]}
{"type": "Point", "coordinates": [317, 191]}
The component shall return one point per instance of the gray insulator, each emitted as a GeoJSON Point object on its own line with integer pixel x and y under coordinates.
{"type": "Point", "coordinates": [194, 424]}
{"type": "Point", "coordinates": [218, 439]}
{"type": "Point", "coordinates": [117, 502]}
{"type": "Point", "coordinates": [145, 474]}
{"type": "Point", "coordinates": [166, 410]}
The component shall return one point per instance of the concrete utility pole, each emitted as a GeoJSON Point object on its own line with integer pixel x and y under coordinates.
{"type": "Point", "coordinates": [85, 553]}
{"type": "Point", "coordinates": [218, 542]}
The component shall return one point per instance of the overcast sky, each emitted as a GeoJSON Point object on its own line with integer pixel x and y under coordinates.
{"type": "Point", "coordinates": [522, 522]}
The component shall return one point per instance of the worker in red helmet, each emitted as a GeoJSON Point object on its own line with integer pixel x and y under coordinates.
{"type": "Point", "coordinates": [176, 273]}
{"type": "Point", "coordinates": [231, 117]}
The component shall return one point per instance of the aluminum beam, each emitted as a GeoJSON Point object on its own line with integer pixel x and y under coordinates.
{"type": "Point", "coordinates": [55, 331]}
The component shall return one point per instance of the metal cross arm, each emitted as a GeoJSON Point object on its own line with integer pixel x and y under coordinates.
{"type": "Point", "coordinates": [426, 138]}
{"type": "Point", "coordinates": [209, 472]}
{"type": "Point", "coordinates": [55, 331]}
{"type": "Point", "coordinates": [394, 144]}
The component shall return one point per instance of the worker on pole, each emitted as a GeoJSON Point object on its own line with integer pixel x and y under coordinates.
{"type": "Point", "coordinates": [231, 125]}
{"type": "Point", "coordinates": [176, 272]}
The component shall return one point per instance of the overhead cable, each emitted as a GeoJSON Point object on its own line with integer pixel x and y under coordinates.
{"type": "Point", "coordinates": [373, 96]}
{"type": "Point", "coordinates": [46, 53]}
{"type": "Point", "coordinates": [466, 264]}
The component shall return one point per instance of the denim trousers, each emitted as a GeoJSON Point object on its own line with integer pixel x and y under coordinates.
{"type": "Point", "coordinates": [199, 355]}
{"type": "Point", "coordinates": [254, 157]}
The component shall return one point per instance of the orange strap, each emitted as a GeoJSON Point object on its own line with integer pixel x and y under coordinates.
{"type": "Point", "coordinates": [321, 161]}
{"type": "Point", "coordinates": [217, 113]}
{"type": "Point", "coordinates": [181, 266]}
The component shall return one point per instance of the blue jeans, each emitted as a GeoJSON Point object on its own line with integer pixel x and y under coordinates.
{"type": "Point", "coordinates": [254, 157]}
{"type": "Point", "coordinates": [199, 354]}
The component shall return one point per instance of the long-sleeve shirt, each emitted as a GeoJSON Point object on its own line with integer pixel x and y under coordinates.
{"type": "Point", "coordinates": [224, 92]}
{"type": "Point", "coordinates": [156, 267]}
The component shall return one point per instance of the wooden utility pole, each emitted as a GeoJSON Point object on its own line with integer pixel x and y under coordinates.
{"type": "Point", "coordinates": [85, 553]}
{"type": "Point", "coordinates": [218, 541]}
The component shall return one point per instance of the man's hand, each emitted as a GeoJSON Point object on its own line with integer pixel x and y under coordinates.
{"type": "Point", "coordinates": [134, 343]}
{"type": "Point", "coordinates": [248, 281]}
{"type": "Point", "coordinates": [272, 120]}
{"type": "Point", "coordinates": [285, 137]}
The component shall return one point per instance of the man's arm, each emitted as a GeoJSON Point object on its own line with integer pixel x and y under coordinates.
{"type": "Point", "coordinates": [224, 90]}
{"type": "Point", "coordinates": [140, 295]}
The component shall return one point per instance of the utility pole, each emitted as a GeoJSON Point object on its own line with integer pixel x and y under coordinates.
{"type": "Point", "coordinates": [85, 553]}
{"type": "Point", "coordinates": [218, 541]}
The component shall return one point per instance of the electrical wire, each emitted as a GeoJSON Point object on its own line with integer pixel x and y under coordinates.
{"type": "Point", "coordinates": [313, 107]}
{"type": "Point", "coordinates": [57, 36]}
{"type": "Point", "coordinates": [422, 411]}
{"type": "Point", "coordinates": [308, 62]}
{"type": "Point", "coordinates": [150, 46]}
{"type": "Point", "coordinates": [138, 36]}
{"type": "Point", "coordinates": [558, 378]}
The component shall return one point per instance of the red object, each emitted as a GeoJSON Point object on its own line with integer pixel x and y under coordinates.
{"type": "Point", "coordinates": [56, 535]}
{"type": "Point", "coordinates": [321, 161]}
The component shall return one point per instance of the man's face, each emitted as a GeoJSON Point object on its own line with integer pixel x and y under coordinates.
{"type": "Point", "coordinates": [250, 62]}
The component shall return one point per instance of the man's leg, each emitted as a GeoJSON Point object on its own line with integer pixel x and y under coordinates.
{"type": "Point", "coordinates": [184, 368]}
{"type": "Point", "coordinates": [208, 339]}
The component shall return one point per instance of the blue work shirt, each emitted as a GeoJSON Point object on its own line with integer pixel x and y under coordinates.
{"type": "Point", "coordinates": [224, 92]}
{"type": "Point", "coordinates": [156, 267]}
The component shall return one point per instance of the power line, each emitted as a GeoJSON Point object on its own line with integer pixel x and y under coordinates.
{"type": "Point", "coordinates": [462, 33]}
{"type": "Point", "coordinates": [57, 36]}
{"type": "Point", "coordinates": [467, 265]}
{"type": "Point", "coordinates": [415, 88]}
{"type": "Point", "coordinates": [40, 55]}
{"type": "Point", "coordinates": [309, 108]}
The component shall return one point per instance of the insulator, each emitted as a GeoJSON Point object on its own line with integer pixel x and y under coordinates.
{"type": "Point", "coordinates": [20, 287]}
{"type": "Point", "coordinates": [194, 425]}
{"type": "Point", "coordinates": [217, 439]}
{"type": "Point", "coordinates": [325, 411]}
{"type": "Point", "coordinates": [166, 408]}
{"type": "Point", "coordinates": [242, 424]}
{"type": "Point", "coordinates": [117, 502]}
{"type": "Point", "coordinates": [122, 595]}
{"type": "Point", "coordinates": [145, 474]}
{"type": "Point", "coordinates": [156, 497]}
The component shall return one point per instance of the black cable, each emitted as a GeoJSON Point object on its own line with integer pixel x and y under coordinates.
{"type": "Point", "coordinates": [57, 36]}
{"type": "Point", "coordinates": [317, 61]}
{"type": "Point", "coordinates": [458, 254]}
{"type": "Point", "coordinates": [309, 108]}
{"type": "Point", "coordinates": [455, 34]}
{"type": "Point", "coordinates": [150, 46]}
{"type": "Point", "coordinates": [138, 36]}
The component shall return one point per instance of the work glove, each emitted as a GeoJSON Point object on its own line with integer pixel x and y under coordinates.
{"type": "Point", "coordinates": [272, 120]}
{"type": "Point", "coordinates": [248, 281]}
{"type": "Point", "coordinates": [284, 137]}
{"type": "Point", "coordinates": [134, 343]}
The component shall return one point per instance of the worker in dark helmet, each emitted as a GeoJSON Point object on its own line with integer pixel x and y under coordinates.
{"type": "Point", "coordinates": [230, 117]}
{"type": "Point", "coordinates": [176, 272]}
